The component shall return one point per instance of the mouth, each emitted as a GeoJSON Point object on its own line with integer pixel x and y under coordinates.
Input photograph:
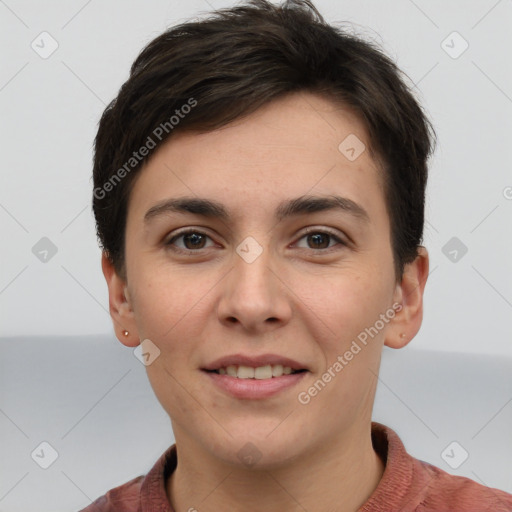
{"type": "Point", "coordinates": [269, 371]}
{"type": "Point", "coordinates": [255, 378]}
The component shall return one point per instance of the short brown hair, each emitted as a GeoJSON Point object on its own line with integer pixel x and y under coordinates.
{"type": "Point", "coordinates": [228, 65]}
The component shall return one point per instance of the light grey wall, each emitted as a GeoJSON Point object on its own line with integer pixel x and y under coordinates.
{"type": "Point", "coordinates": [49, 109]}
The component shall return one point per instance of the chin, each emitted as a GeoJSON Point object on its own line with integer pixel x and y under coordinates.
{"type": "Point", "coordinates": [257, 448]}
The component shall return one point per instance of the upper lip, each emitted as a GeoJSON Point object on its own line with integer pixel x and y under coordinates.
{"type": "Point", "coordinates": [254, 361]}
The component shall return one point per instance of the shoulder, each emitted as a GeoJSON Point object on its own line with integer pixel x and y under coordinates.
{"type": "Point", "coordinates": [410, 484]}
{"type": "Point", "coordinates": [126, 497]}
{"type": "Point", "coordinates": [143, 492]}
{"type": "Point", "coordinates": [451, 492]}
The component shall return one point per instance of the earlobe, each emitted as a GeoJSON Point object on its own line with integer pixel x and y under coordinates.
{"type": "Point", "coordinates": [120, 306]}
{"type": "Point", "coordinates": [409, 293]}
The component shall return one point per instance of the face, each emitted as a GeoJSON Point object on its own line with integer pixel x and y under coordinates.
{"type": "Point", "coordinates": [256, 278]}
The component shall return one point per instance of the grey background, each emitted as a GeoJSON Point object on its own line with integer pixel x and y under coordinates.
{"type": "Point", "coordinates": [49, 109]}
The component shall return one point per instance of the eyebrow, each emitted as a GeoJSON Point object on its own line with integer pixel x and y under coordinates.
{"type": "Point", "coordinates": [299, 206]}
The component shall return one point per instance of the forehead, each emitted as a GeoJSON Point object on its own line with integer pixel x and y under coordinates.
{"type": "Point", "coordinates": [298, 145]}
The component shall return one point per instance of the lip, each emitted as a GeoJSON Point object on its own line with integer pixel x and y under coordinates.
{"type": "Point", "coordinates": [254, 362]}
{"type": "Point", "coordinates": [254, 389]}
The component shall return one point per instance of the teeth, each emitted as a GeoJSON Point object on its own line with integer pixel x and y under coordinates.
{"type": "Point", "coordinates": [261, 372]}
{"type": "Point", "coordinates": [277, 370]}
{"type": "Point", "coordinates": [245, 372]}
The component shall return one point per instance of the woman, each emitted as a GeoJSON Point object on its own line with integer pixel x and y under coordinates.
{"type": "Point", "coordinates": [259, 188]}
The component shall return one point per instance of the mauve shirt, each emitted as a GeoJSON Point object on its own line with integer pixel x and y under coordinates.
{"type": "Point", "coordinates": [407, 485]}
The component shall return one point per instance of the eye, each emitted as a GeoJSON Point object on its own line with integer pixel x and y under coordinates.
{"type": "Point", "coordinates": [192, 239]}
{"type": "Point", "coordinates": [320, 240]}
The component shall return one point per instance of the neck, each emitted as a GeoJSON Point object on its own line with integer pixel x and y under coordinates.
{"type": "Point", "coordinates": [341, 475]}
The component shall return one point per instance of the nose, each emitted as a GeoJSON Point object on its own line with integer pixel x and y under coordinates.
{"type": "Point", "coordinates": [255, 296]}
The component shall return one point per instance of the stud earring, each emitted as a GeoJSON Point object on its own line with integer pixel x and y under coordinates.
{"type": "Point", "coordinates": [402, 335]}
{"type": "Point", "coordinates": [126, 333]}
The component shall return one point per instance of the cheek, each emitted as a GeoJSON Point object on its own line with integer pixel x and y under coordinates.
{"type": "Point", "coordinates": [168, 301]}
{"type": "Point", "coordinates": [170, 309]}
{"type": "Point", "coordinates": [359, 332]}
{"type": "Point", "coordinates": [343, 305]}
{"type": "Point", "coordinates": [348, 306]}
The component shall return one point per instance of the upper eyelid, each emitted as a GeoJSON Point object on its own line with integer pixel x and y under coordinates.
{"type": "Point", "coordinates": [187, 231]}
{"type": "Point", "coordinates": [341, 239]}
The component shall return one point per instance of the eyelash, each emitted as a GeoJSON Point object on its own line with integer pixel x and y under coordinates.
{"type": "Point", "coordinates": [310, 231]}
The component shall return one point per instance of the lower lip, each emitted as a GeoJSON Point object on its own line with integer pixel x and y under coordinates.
{"type": "Point", "coordinates": [255, 388]}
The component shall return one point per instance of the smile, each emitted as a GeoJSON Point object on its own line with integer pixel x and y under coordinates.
{"type": "Point", "coordinates": [261, 372]}
{"type": "Point", "coordinates": [254, 383]}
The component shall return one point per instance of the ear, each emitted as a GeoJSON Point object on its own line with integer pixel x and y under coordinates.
{"type": "Point", "coordinates": [119, 305]}
{"type": "Point", "coordinates": [407, 321]}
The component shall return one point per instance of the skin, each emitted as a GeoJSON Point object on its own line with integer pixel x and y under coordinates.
{"type": "Point", "coordinates": [302, 298]}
